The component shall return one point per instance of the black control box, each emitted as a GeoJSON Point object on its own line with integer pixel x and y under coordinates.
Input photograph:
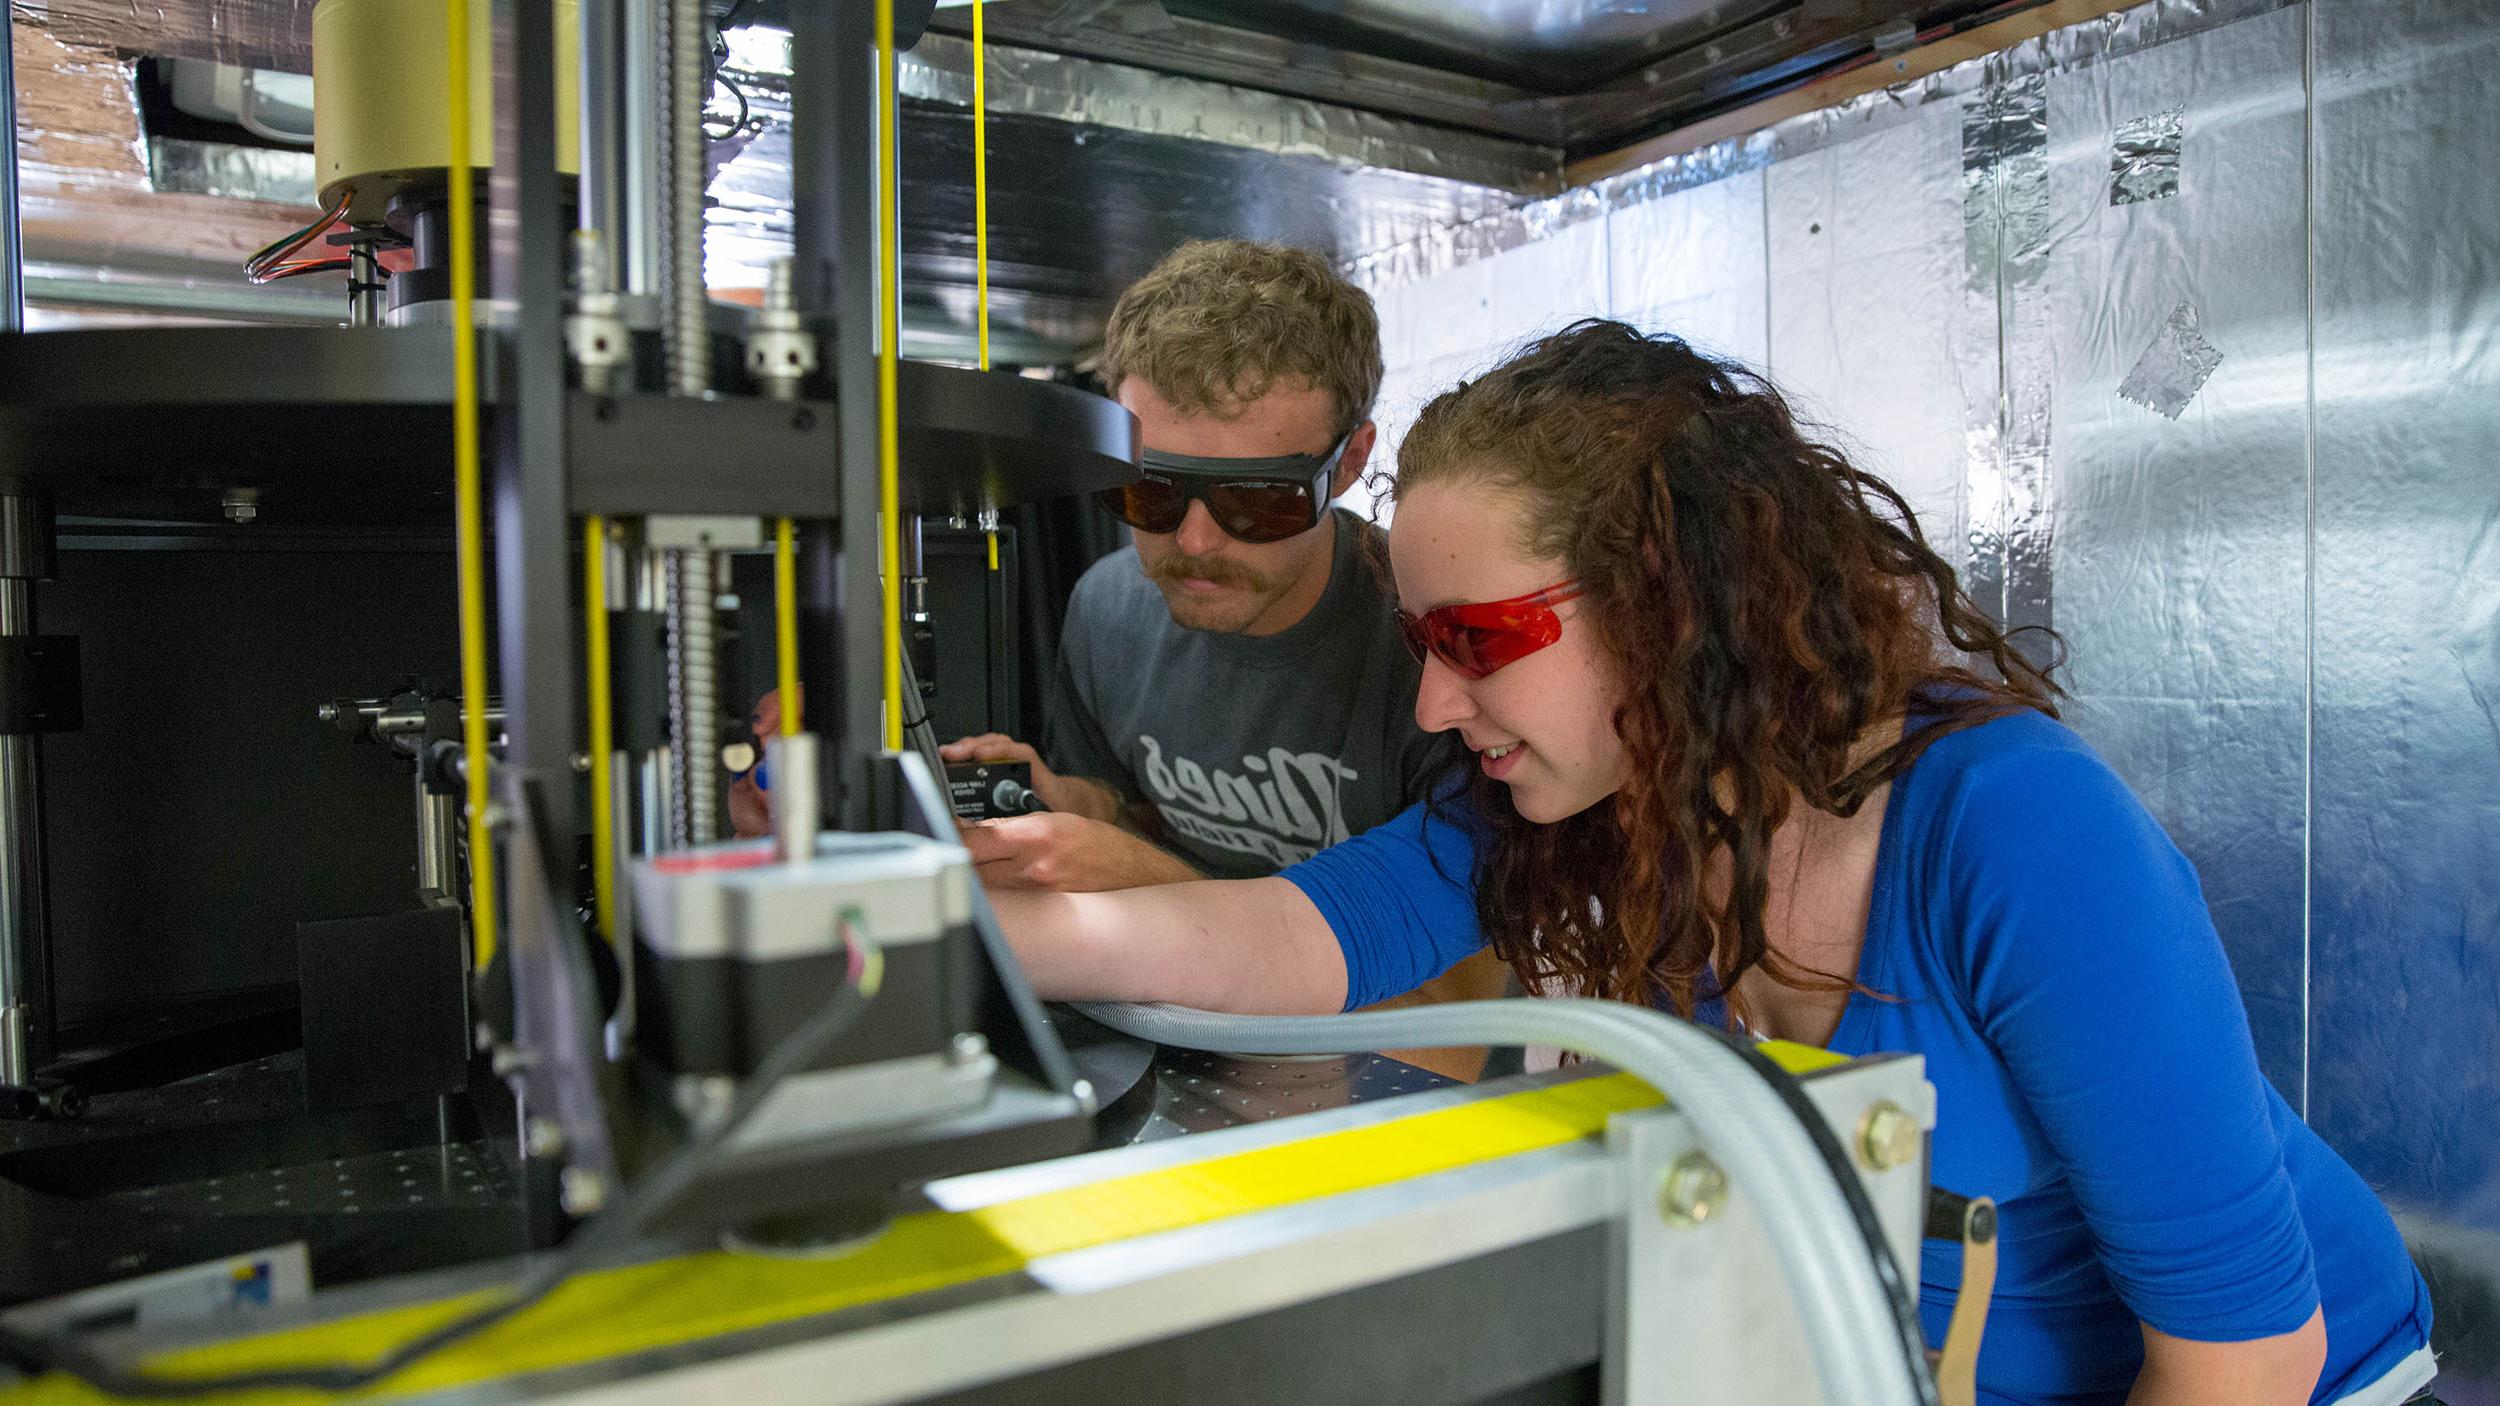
{"type": "Point", "coordinates": [992, 790]}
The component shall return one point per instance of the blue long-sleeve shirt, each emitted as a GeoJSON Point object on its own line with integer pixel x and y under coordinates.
{"type": "Point", "coordinates": [2036, 936]}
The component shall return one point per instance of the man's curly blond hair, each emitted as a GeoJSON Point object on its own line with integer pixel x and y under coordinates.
{"type": "Point", "coordinates": [1220, 321]}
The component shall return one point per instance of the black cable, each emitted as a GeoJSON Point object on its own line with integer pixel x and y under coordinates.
{"type": "Point", "coordinates": [1898, 1290]}
{"type": "Point", "coordinates": [720, 70]}
{"type": "Point", "coordinates": [746, 112]}
{"type": "Point", "coordinates": [38, 1352]}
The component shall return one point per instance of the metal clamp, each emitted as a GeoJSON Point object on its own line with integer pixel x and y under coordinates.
{"type": "Point", "coordinates": [601, 343]}
{"type": "Point", "coordinates": [781, 352]}
{"type": "Point", "coordinates": [1971, 1220]}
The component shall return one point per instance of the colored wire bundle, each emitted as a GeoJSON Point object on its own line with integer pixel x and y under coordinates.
{"type": "Point", "coordinates": [277, 260]}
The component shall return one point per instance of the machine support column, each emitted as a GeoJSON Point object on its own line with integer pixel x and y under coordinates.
{"type": "Point", "coordinates": [25, 994]}
{"type": "Point", "coordinates": [655, 771]}
{"type": "Point", "coordinates": [12, 241]}
{"type": "Point", "coordinates": [834, 199]}
{"type": "Point", "coordinates": [638, 187]}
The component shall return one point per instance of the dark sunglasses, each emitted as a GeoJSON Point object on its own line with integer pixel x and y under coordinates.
{"type": "Point", "coordinates": [1253, 500]}
{"type": "Point", "coordinates": [1481, 636]}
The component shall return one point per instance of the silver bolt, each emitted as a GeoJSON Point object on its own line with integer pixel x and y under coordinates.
{"type": "Point", "coordinates": [1083, 1089]}
{"type": "Point", "coordinates": [242, 504]}
{"type": "Point", "coordinates": [545, 1138]}
{"type": "Point", "coordinates": [581, 761]}
{"type": "Point", "coordinates": [967, 1047]}
{"type": "Point", "coordinates": [582, 1191]}
{"type": "Point", "coordinates": [329, 712]}
{"type": "Point", "coordinates": [1693, 1190]}
{"type": "Point", "coordinates": [1888, 1137]}
{"type": "Point", "coordinates": [509, 1061]}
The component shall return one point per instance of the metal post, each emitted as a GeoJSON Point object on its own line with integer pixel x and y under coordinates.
{"type": "Point", "coordinates": [555, 1021]}
{"type": "Point", "coordinates": [601, 82]}
{"type": "Point", "coordinates": [364, 286]}
{"type": "Point", "coordinates": [438, 843]}
{"type": "Point", "coordinates": [833, 137]}
{"type": "Point", "coordinates": [919, 637]}
{"type": "Point", "coordinates": [533, 557]}
{"type": "Point", "coordinates": [637, 238]}
{"type": "Point", "coordinates": [12, 238]}
{"type": "Point", "coordinates": [656, 792]}
{"type": "Point", "coordinates": [25, 995]}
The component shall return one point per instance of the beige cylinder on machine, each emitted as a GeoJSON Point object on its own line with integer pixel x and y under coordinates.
{"type": "Point", "coordinates": [381, 101]}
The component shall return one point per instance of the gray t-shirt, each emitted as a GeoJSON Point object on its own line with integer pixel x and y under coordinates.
{"type": "Point", "coordinates": [1256, 752]}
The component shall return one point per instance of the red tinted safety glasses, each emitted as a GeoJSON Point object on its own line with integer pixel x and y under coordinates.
{"type": "Point", "coordinates": [1479, 637]}
{"type": "Point", "coordinates": [1253, 500]}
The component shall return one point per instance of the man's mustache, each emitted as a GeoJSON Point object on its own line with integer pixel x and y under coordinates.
{"type": "Point", "coordinates": [1180, 567]}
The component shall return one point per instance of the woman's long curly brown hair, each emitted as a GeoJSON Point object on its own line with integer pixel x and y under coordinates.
{"type": "Point", "coordinates": [1766, 605]}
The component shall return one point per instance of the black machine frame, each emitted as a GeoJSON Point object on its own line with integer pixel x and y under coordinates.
{"type": "Point", "coordinates": [280, 401]}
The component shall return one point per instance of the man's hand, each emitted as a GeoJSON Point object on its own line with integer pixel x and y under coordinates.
{"type": "Point", "coordinates": [750, 807]}
{"type": "Point", "coordinates": [1072, 795]}
{"type": "Point", "coordinates": [1068, 853]}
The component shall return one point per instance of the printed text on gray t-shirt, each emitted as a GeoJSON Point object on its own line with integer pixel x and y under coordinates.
{"type": "Point", "coordinates": [1255, 752]}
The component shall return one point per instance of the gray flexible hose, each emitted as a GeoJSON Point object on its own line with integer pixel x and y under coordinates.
{"type": "Point", "coordinates": [1840, 1297]}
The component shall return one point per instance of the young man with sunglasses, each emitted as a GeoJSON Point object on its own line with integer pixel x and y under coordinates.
{"type": "Point", "coordinates": [1232, 695]}
{"type": "Point", "coordinates": [1233, 686]}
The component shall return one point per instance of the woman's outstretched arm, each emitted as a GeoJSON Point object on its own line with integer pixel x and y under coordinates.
{"type": "Point", "coordinates": [1249, 946]}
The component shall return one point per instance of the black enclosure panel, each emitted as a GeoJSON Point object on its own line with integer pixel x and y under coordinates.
{"type": "Point", "coordinates": [204, 811]}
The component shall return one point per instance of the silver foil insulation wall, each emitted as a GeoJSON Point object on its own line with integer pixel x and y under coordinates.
{"type": "Point", "coordinates": [2182, 327]}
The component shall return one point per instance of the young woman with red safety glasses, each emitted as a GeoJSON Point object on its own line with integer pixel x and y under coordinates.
{"type": "Point", "coordinates": [1745, 751]}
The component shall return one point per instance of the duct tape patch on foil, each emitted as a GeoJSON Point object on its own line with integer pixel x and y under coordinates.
{"type": "Point", "coordinates": [2174, 368]}
{"type": "Point", "coordinates": [2144, 158]}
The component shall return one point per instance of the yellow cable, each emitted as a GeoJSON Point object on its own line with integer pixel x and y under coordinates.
{"type": "Point", "coordinates": [981, 208]}
{"type": "Point", "coordinates": [602, 725]}
{"type": "Point", "coordinates": [467, 494]}
{"type": "Point", "coordinates": [980, 186]}
{"type": "Point", "coordinates": [889, 351]}
{"type": "Point", "coordinates": [786, 625]}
